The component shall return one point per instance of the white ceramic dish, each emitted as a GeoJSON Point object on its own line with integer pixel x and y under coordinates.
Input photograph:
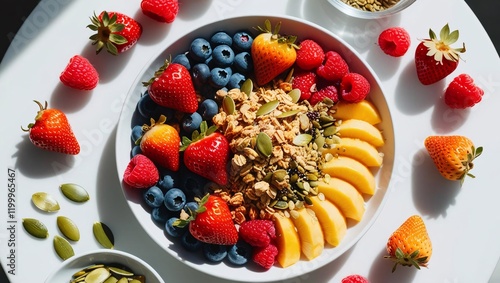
{"type": "Point", "coordinates": [105, 256]}
{"type": "Point", "coordinates": [303, 30]}
{"type": "Point", "coordinates": [358, 13]}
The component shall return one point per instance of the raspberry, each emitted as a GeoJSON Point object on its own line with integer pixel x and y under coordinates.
{"type": "Point", "coordinates": [462, 92]}
{"type": "Point", "coordinates": [141, 172]}
{"type": "Point", "coordinates": [265, 256]}
{"type": "Point", "coordinates": [310, 55]}
{"type": "Point", "coordinates": [394, 41]}
{"type": "Point", "coordinates": [258, 232]}
{"type": "Point", "coordinates": [354, 87]}
{"type": "Point", "coordinates": [334, 68]}
{"type": "Point", "coordinates": [327, 92]}
{"type": "Point", "coordinates": [355, 278]}
{"type": "Point", "coordinates": [79, 74]}
{"type": "Point", "coordinates": [305, 81]}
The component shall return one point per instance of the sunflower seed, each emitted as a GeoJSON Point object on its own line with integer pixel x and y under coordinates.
{"type": "Point", "coordinates": [35, 228]}
{"type": "Point", "coordinates": [68, 228]}
{"type": "Point", "coordinates": [74, 192]}
{"type": "Point", "coordinates": [103, 235]}
{"type": "Point", "coordinates": [45, 202]}
{"type": "Point", "coordinates": [63, 247]}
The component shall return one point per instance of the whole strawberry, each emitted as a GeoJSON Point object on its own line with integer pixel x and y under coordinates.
{"type": "Point", "coordinates": [207, 154]}
{"type": "Point", "coordinates": [141, 172]}
{"type": "Point", "coordinates": [258, 232]}
{"type": "Point", "coordinates": [172, 87]}
{"type": "Point", "coordinates": [462, 92]}
{"type": "Point", "coordinates": [310, 55]}
{"type": "Point", "coordinates": [272, 54]}
{"type": "Point", "coordinates": [160, 143]}
{"type": "Point", "coordinates": [394, 41]}
{"type": "Point", "coordinates": [212, 222]}
{"type": "Point", "coordinates": [79, 74]}
{"type": "Point", "coordinates": [51, 131]}
{"type": "Point", "coordinates": [453, 155]}
{"type": "Point", "coordinates": [116, 32]}
{"type": "Point", "coordinates": [435, 59]}
{"type": "Point", "coordinates": [164, 11]}
{"type": "Point", "coordinates": [410, 244]}
{"type": "Point", "coordinates": [354, 278]}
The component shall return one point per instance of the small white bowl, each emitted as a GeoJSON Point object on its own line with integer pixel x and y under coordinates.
{"type": "Point", "coordinates": [358, 13]}
{"type": "Point", "coordinates": [70, 266]}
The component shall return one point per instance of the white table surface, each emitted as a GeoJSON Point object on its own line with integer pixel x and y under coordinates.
{"type": "Point", "coordinates": [463, 223]}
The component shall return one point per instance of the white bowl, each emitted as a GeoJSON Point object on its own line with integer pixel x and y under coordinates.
{"type": "Point", "coordinates": [290, 25]}
{"type": "Point", "coordinates": [105, 256]}
{"type": "Point", "coordinates": [358, 13]}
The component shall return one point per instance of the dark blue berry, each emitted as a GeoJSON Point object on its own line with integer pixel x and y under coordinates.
{"type": "Point", "coordinates": [183, 60]}
{"type": "Point", "coordinates": [136, 133]}
{"type": "Point", "coordinates": [136, 149]}
{"type": "Point", "coordinates": [190, 207]}
{"type": "Point", "coordinates": [190, 243]}
{"type": "Point", "coordinates": [175, 199]}
{"type": "Point", "coordinates": [214, 253]}
{"type": "Point", "coordinates": [242, 41]}
{"type": "Point", "coordinates": [219, 77]}
{"type": "Point", "coordinates": [191, 122]}
{"type": "Point", "coordinates": [200, 74]}
{"type": "Point", "coordinates": [208, 91]}
{"type": "Point", "coordinates": [146, 106]}
{"type": "Point", "coordinates": [193, 184]}
{"type": "Point", "coordinates": [166, 183]}
{"type": "Point", "coordinates": [236, 80]}
{"type": "Point", "coordinates": [173, 230]}
{"type": "Point", "coordinates": [240, 253]}
{"type": "Point", "coordinates": [221, 37]}
{"type": "Point", "coordinates": [160, 214]}
{"type": "Point", "coordinates": [154, 197]}
{"type": "Point", "coordinates": [243, 62]}
{"type": "Point", "coordinates": [200, 50]}
{"type": "Point", "coordinates": [222, 56]}
{"type": "Point", "coordinates": [208, 109]}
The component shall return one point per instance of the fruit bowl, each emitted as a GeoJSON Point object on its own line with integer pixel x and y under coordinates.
{"type": "Point", "coordinates": [355, 230]}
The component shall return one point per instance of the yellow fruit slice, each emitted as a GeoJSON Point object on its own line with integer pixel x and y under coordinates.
{"type": "Point", "coordinates": [358, 149]}
{"type": "Point", "coordinates": [363, 110]}
{"type": "Point", "coordinates": [287, 241]}
{"type": "Point", "coordinates": [352, 171]}
{"type": "Point", "coordinates": [310, 234]}
{"type": "Point", "coordinates": [332, 221]}
{"type": "Point", "coordinates": [359, 129]}
{"type": "Point", "coordinates": [344, 196]}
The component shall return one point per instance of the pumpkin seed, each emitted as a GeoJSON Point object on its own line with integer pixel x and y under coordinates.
{"type": "Point", "coordinates": [63, 247]}
{"type": "Point", "coordinates": [68, 228]}
{"type": "Point", "coordinates": [267, 108]}
{"type": "Point", "coordinates": [123, 280]}
{"type": "Point", "coordinates": [111, 279]}
{"type": "Point", "coordinates": [45, 202]}
{"type": "Point", "coordinates": [247, 87]}
{"type": "Point", "coordinates": [295, 95]}
{"type": "Point", "coordinates": [264, 144]}
{"type": "Point", "coordinates": [74, 192]}
{"type": "Point", "coordinates": [35, 228]}
{"type": "Point", "coordinates": [119, 271]}
{"type": "Point", "coordinates": [103, 235]}
{"type": "Point", "coordinates": [330, 131]}
{"type": "Point", "coordinates": [288, 113]}
{"type": "Point", "coordinates": [97, 275]}
{"type": "Point", "coordinates": [302, 140]}
{"type": "Point", "coordinates": [228, 105]}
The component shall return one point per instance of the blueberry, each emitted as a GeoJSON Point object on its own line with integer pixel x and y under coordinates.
{"type": "Point", "coordinates": [183, 60]}
{"type": "Point", "coordinates": [190, 206]}
{"type": "Point", "coordinates": [190, 243]}
{"type": "Point", "coordinates": [172, 230]}
{"type": "Point", "coordinates": [208, 91]}
{"type": "Point", "coordinates": [200, 74]}
{"type": "Point", "coordinates": [193, 184]}
{"type": "Point", "coordinates": [175, 199]}
{"type": "Point", "coordinates": [243, 62]}
{"type": "Point", "coordinates": [242, 41]}
{"type": "Point", "coordinates": [240, 253]}
{"type": "Point", "coordinates": [191, 122]}
{"type": "Point", "coordinates": [160, 214]}
{"type": "Point", "coordinates": [146, 106]}
{"type": "Point", "coordinates": [136, 133]}
{"type": "Point", "coordinates": [236, 80]}
{"type": "Point", "coordinates": [154, 197]}
{"type": "Point", "coordinates": [166, 183]}
{"type": "Point", "coordinates": [209, 109]}
{"type": "Point", "coordinates": [219, 77]}
{"type": "Point", "coordinates": [223, 56]}
{"type": "Point", "coordinates": [221, 37]}
{"type": "Point", "coordinates": [214, 253]}
{"type": "Point", "coordinates": [200, 49]}
{"type": "Point", "coordinates": [135, 150]}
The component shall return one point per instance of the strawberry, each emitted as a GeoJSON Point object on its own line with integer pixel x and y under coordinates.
{"type": "Point", "coordinates": [435, 59]}
{"type": "Point", "coordinates": [160, 143]}
{"type": "Point", "coordinates": [51, 131]}
{"type": "Point", "coordinates": [354, 87]}
{"type": "Point", "coordinates": [305, 81]}
{"type": "Point", "coordinates": [212, 222]}
{"type": "Point", "coordinates": [141, 172]}
{"type": "Point", "coordinates": [116, 32]}
{"type": "Point", "coordinates": [394, 41]}
{"type": "Point", "coordinates": [330, 92]}
{"type": "Point", "coordinates": [272, 54]}
{"type": "Point", "coordinates": [265, 256]}
{"type": "Point", "coordinates": [207, 154]}
{"type": "Point", "coordinates": [334, 68]}
{"type": "Point", "coordinates": [410, 244]}
{"type": "Point", "coordinates": [462, 92]}
{"type": "Point", "coordinates": [354, 278]}
{"type": "Point", "coordinates": [452, 155]}
{"type": "Point", "coordinates": [79, 74]}
{"type": "Point", "coordinates": [164, 11]}
{"type": "Point", "coordinates": [172, 87]}
{"type": "Point", "coordinates": [310, 55]}
{"type": "Point", "coordinates": [258, 232]}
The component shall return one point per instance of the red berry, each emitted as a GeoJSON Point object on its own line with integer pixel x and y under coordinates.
{"type": "Point", "coordinates": [354, 87]}
{"type": "Point", "coordinates": [462, 92]}
{"type": "Point", "coordinates": [355, 278]}
{"type": "Point", "coordinates": [163, 11]}
{"type": "Point", "coordinates": [258, 232]}
{"type": "Point", "coordinates": [141, 172]}
{"type": "Point", "coordinates": [334, 68]}
{"type": "Point", "coordinates": [305, 81]}
{"type": "Point", "coordinates": [394, 41]}
{"type": "Point", "coordinates": [310, 55]}
{"type": "Point", "coordinates": [326, 92]}
{"type": "Point", "coordinates": [79, 74]}
{"type": "Point", "coordinates": [265, 256]}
